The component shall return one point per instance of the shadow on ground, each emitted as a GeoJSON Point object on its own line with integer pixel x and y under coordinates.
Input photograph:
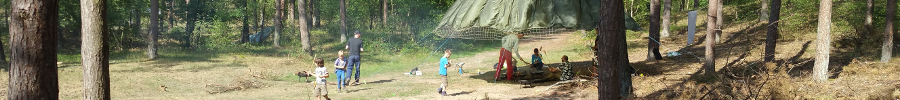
{"type": "Point", "coordinates": [167, 60]}
{"type": "Point", "coordinates": [462, 93]}
{"type": "Point", "coordinates": [737, 45]}
{"type": "Point", "coordinates": [579, 68]}
{"type": "Point", "coordinates": [382, 81]}
{"type": "Point", "coordinates": [357, 90]}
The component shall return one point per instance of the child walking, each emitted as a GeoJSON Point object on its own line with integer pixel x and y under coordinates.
{"type": "Point", "coordinates": [321, 73]}
{"type": "Point", "coordinates": [340, 71]}
{"type": "Point", "coordinates": [443, 71]}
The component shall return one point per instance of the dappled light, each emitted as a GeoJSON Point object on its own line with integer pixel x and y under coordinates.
{"type": "Point", "coordinates": [449, 49]}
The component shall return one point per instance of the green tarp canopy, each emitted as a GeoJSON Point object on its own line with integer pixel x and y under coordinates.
{"type": "Point", "coordinates": [491, 19]}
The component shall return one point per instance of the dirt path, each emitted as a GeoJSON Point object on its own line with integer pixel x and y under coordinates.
{"type": "Point", "coordinates": [471, 85]}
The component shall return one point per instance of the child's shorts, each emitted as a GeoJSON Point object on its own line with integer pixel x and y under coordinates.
{"type": "Point", "coordinates": [320, 90]}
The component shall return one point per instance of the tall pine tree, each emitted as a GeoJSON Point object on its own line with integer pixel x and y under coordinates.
{"type": "Point", "coordinates": [95, 50]}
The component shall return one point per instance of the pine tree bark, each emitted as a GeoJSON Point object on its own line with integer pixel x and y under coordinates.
{"type": "Point", "coordinates": [763, 10]}
{"type": "Point", "coordinates": [169, 16]}
{"type": "Point", "coordinates": [290, 11]}
{"type": "Point", "coordinates": [257, 16]}
{"type": "Point", "coordinates": [302, 26]}
{"type": "Point", "coordinates": [719, 20]}
{"type": "Point", "coordinates": [666, 18]}
{"type": "Point", "coordinates": [823, 37]}
{"type": "Point", "coordinates": [772, 31]}
{"type": "Point", "coordinates": [279, 5]}
{"type": "Point", "coordinates": [314, 21]}
{"type": "Point", "coordinates": [154, 29]}
{"type": "Point", "coordinates": [384, 12]}
{"type": "Point", "coordinates": [887, 47]}
{"type": "Point", "coordinates": [653, 43]}
{"type": "Point", "coordinates": [95, 50]}
{"type": "Point", "coordinates": [611, 49]}
{"type": "Point", "coordinates": [262, 18]}
{"type": "Point", "coordinates": [191, 22]}
{"type": "Point", "coordinates": [710, 62]}
{"type": "Point", "coordinates": [33, 33]}
{"type": "Point", "coordinates": [343, 8]}
{"type": "Point", "coordinates": [245, 28]}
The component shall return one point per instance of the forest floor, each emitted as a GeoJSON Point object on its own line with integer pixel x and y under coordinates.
{"type": "Point", "coordinates": [262, 76]}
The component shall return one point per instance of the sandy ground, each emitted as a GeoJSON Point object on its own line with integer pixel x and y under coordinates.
{"type": "Point", "coordinates": [264, 77]}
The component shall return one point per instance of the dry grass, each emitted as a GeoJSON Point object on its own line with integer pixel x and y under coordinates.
{"type": "Point", "coordinates": [237, 85]}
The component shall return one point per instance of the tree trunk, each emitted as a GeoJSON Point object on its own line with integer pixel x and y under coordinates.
{"type": "Point", "coordinates": [666, 15]}
{"type": "Point", "coordinates": [343, 33]}
{"type": "Point", "coordinates": [384, 12]}
{"type": "Point", "coordinates": [710, 65]}
{"type": "Point", "coordinates": [154, 29]}
{"type": "Point", "coordinates": [257, 16]}
{"type": "Point", "coordinates": [94, 50]}
{"type": "Point", "coordinates": [304, 31]}
{"type": "Point", "coordinates": [191, 19]}
{"type": "Point", "coordinates": [653, 44]}
{"type": "Point", "coordinates": [32, 35]}
{"type": "Point", "coordinates": [170, 16]}
{"type": "Point", "coordinates": [137, 20]}
{"type": "Point", "coordinates": [2, 50]}
{"type": "Point", "coordinates": [772, 31]}
{"type": "Point", "coordinates": [719, 20]}
{"type": "Point", "coordinates": [262, 18]}
{"type": "Point", "coordinates": [823, 37]}
{"type": "Point", "coordinates": [279, 5]}
{"type": "Point", "coordinates": [315, 13]}
{"type": "Point", "coordinates": [611, 53]}
{"type": "Point", "coordinates": [763, 10]}
{"type": "Point", "coordinates": [888, 31]}
{"type": "Point", "coordinates": [290, 10]}
{"type": "Point", "coordinates": [245, 28]}
{"type": "Point", "coordinates": [868, 23]}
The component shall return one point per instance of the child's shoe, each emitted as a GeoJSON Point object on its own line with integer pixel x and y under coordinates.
{"type": "Point", "coordinates": [444, 93]}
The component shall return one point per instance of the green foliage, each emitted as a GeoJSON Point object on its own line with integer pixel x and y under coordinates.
{"type": "Point", "coordinates": [640, 9]}
{"type": "Point", "coordinates": [408, 26]}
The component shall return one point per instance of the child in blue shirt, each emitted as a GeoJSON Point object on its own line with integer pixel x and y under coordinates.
{"type": "Point", "coordinates": [445, 62]}
{"type": "Point", "coordinates": [537, 61]}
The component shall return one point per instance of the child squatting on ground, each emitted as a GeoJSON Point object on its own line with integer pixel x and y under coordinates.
{"type": "Point", "coordinates": [339, 69]}
{"type": "Point", "coordinates": [443, 71]}
{"type": "Point", "coordinates": [321, 73]}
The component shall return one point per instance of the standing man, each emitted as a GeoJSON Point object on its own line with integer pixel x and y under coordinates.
{"type": "Point", "coordinates": [354, 46]}
{"type": "Point", "coordinates": [510, 42]}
